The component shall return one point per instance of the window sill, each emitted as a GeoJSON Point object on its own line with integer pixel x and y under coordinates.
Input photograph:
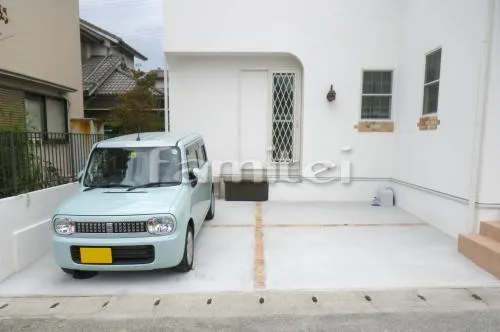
{"type": "Point", "coordinates": [375, 126]}
{"type": "Point", "coordinates": [428, 122]}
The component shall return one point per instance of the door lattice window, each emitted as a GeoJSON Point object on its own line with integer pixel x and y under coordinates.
{"type": "Point", "coordinates": [283, 117]}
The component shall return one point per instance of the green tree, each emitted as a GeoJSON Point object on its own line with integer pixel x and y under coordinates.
{"type": "Point", "coordinates": [4, 19]}
{"type": "Point", "coordinates": [3, 15]}
{"type": "Point", "coordinates": [136, 109]}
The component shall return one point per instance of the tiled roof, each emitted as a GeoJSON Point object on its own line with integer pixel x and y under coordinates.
{"type": "Point", "coordinates": [97, 31]}
{"type": "Point", "coordinates": [97, 69]}
{"type": "Point", "coordinates": [117, 83]}
{"type": "Point", "coordinates": [107, 76]}
{"type": "Point", "coordinates": [90, 65]}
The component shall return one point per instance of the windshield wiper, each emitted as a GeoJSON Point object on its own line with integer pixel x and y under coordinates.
{"type": "Point", "coordinates": [153, 184]}
{"type": "Point", "coordinates": [107, 186]}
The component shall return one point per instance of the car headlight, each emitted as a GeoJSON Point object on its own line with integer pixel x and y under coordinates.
{"type": "Point", "coordinates": [161, 225]}
{"type": "Point", "coordinates": [64, 226]}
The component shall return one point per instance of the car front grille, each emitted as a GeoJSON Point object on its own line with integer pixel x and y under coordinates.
{"type": "Point", "coordinates": [111, 227]}
{"type": "Point", "coordinates": [123, 255]}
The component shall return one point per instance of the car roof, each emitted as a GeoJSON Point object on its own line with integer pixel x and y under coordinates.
{"type": "Point", "coordinates": [148, 139]}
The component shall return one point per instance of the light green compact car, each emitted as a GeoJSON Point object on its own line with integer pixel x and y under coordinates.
{"type": "Point", "coordinates": [142, 201]}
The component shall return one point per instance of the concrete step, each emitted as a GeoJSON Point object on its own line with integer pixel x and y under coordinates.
{"type": "Point", "coordinates": [481, 250]}
{"type": "Point", "coordinates": [491, 230]}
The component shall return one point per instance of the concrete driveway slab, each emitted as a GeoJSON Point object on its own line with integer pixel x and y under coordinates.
{"type": "Point", "coordinates": [333, 213]}
{"type": "Point", "coordinates": [224, 262]}
{"type": "Point", "coordinates": [287, 246]}
{"type": "Point", "coordinates": [366, 258]}
{"type": "Point", "coordinates": [233, 213]}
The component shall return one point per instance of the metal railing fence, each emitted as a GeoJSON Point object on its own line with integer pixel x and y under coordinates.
{"type": "Point", "coordinates": [31, 161]}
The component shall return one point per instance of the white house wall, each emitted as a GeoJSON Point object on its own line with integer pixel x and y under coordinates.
{"type": "Point", "coordinates": [343, 38]}
{"type": "Point", "coordinates": [333, 28]}
{"type": "Point", "coordinates": [441, 159]}
{"type": "Point", "coordinates": [490, 164]}
{"type": "Point", "coordinates": [334, 41]}
{"type": "Point", "coordinates": [489, 191]}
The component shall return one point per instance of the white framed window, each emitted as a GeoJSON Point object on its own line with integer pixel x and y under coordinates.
{"type": "Point", "coordinates": [283, 117]}
{"type": "Point", "coordinates": [431, 84]}
{"type": "Point", "coordinates": [55, 112]}
{"type": "Point", "coordinates": [34, 113]}
{"type": "Point", "coordinates": [376, 93]}
{"type": "Point", "coordinates": [45, 114]}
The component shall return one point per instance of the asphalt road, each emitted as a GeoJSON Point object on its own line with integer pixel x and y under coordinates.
{"type": "Point", "coordinates": [487, 320]}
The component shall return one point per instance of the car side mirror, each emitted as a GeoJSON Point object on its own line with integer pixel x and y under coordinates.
{"type": "Point", "coordinates": [193, 176]}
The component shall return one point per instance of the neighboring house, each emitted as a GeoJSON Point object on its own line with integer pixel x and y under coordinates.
{"type": "Point", "coordinates": [41, 101]}
{"type": "Point", "coordinates": [160, 79]}
{"type": "Point", "coordinates": [40, 71]}
{"type": "Point", "coordinates": [107, 65]}
{"type": "Point", "coordinates": [416, 105]}
{"type": "Point", "coordinates": [162, 86]}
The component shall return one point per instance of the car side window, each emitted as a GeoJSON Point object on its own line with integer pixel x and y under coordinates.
{"type": "Point", "coordinates": [204, 152]}
{"type": "Point", "coordinates": [192, 159]}
{"type": "Point", "coordinates": [201, 156]}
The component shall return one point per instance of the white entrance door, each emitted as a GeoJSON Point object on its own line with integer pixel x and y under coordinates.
{"type": "Point", "coordinates": [254, 121]}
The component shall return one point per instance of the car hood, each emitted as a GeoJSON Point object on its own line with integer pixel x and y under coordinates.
{"type": "Point", "coordinates": [118, 202]}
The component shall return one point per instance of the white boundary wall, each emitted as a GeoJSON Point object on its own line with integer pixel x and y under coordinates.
{"type": "Point", "coordinates": [25, 235]}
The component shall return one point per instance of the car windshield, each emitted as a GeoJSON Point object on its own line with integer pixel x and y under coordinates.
{"type": "Point", "coordinates": [131, 167]}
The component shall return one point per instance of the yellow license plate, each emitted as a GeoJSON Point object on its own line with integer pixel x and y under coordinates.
{"type": "Point", "coordinates": [96, 256]}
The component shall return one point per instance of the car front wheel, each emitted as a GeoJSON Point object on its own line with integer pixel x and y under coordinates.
{"type": "Point", "coordinates": [77, 274]}
{"type": "Point", "coordinates": [186, 264]}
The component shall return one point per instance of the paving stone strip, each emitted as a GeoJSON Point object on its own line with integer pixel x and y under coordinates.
{"type": "Point", "coordinates": [259, 264]}
{"type": "Point", "coordinates": [251, 304]}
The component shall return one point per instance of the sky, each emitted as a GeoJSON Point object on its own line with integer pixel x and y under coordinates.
{"type": "Point", "coordinates": [137, 22]}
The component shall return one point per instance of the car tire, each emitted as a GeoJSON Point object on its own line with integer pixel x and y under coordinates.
{"type": "Point", "coordinates": [211, 212]}
{"type": "Point", "coordinates": [77, 274]}
{"type": "Point", "coordinates": [186, 264]}
{"type": "Point", "coordinates": [82, 275]}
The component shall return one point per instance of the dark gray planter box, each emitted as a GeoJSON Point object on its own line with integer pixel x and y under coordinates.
{"type": "Point", "coordinates": [246, 191]}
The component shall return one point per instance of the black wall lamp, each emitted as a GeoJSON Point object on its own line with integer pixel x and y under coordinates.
{"type": "Point", "coordinates": [331, 94]}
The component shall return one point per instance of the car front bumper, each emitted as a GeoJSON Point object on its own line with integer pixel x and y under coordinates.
{"type": "Point", "coordinates": [168, 252]}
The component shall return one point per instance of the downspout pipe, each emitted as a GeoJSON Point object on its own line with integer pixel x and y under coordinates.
{"type": "Point", "coordinates": [480, 111]}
